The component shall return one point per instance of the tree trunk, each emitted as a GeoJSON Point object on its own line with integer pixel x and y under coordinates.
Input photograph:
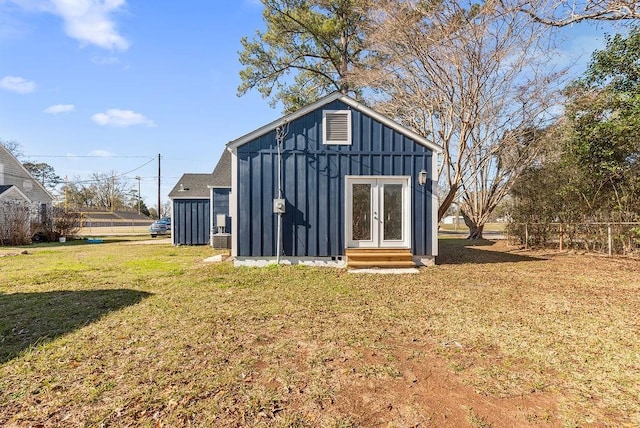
{"type": "Point", "coordinates": [446, 202]}
{"type": "Point", "coordinates": [475, 230]}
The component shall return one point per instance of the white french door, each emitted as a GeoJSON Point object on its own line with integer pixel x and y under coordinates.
{"type": "Point", "coordinates": [378, 212]}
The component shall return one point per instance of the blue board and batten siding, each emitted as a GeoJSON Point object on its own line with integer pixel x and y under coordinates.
{"type": "Point", "coordinates": [313, 184]}
{"type": "Point", "coordinates": [191, 221]}
{"type": "Point", "coordinates": [221, 206]}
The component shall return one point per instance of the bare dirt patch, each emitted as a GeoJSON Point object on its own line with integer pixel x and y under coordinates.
{"type": "Point", "coordinates": [428, 393]}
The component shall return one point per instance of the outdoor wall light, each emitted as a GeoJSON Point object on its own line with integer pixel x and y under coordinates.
{"type": "Point", "coordinates": [422, 177]}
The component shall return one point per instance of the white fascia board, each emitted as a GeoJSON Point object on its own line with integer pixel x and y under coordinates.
{"type": "Point", "coordinates": [392, 124]}
{"type": "Point", "coordinates": [286, 119]}
{"type": "Point", "coordinates": [326, 100]}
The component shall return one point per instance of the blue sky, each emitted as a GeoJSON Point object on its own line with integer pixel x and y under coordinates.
{"type": "Point", "coordinates": [105, 85]}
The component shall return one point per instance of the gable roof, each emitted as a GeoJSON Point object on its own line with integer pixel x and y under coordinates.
{"type": "Point", "coordinates": [326, 100]}
{"type": "Point", "coordinates": [24, 172]}
{"type": "Point", "coordinates": [6, 190]}
{"type": "Point", "coordinates": [192, 186]}
{"type": "Point", "coordinates": [222, 171]}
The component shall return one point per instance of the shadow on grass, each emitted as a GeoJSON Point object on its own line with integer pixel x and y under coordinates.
{"type": "Point", "coordinates": [458, 251]}
{"type": "Point", "coordinates": [84, 241]}
{"type": "Point", "coordinates": [29, 319]}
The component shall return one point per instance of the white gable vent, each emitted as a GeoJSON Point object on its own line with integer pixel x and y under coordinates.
{"type": "Point", "coordinates": [336, 126]}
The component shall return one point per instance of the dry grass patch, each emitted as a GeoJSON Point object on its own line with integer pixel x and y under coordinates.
{"type": "Point", "coordinates": [117, 335]}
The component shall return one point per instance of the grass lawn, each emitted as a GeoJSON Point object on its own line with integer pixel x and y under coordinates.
{"type": "Point", "coordinates": [117, 334]}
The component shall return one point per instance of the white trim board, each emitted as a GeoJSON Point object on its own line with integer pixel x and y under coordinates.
{"type": "Point", "coordinates": [377, 203]}
{"type": "Point", "coordinates": [233, 201]}
{"type": "Point", "coordinates": [326, 100]}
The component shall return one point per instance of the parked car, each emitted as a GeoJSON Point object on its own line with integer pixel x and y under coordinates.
{"type": "Point", "coordinates": [160, 227]}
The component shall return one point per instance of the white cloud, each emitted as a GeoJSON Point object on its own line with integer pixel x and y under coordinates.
{"type": "Point", "coordinates": [17, 84]}
{"type": "Point", "coordinates": [89, 21]}
{"type": "Point", "coordinates": [60, 108]}
{"type": "Point", "coordinates": [101, 153]}
{"type": "Point", "coordinates": [121, 118]}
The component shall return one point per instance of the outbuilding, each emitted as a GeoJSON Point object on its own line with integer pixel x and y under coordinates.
{"type": "Point", "coordinates": [332, 181]}
{"type": "Point", "coordinates": [200, 206]}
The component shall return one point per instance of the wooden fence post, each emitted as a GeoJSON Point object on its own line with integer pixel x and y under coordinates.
{"type": "Point", "coordinates": [526, 235]}
{"type": "Point", "coordinates": [561, 237]}
{"type": "Point", "coordinates": [609, 239]}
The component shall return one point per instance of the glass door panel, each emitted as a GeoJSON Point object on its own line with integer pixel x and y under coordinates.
{"type": "Point", "coordinates": [393, 212]}
{"type": "Point", "coordinates": [361, 214]}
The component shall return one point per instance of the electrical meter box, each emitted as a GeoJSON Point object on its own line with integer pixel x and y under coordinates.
{"type": "Point", "coordinates": [278, 206]}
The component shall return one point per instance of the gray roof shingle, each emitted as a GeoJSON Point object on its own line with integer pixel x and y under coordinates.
{"type": "Point", "coordinates": [197, 185]}
{"type": "Point", "coordinates": [222, 171]}
{"type": "Point", "coordinates": [192, 186]}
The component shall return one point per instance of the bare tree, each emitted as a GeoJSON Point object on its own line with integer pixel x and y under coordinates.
{"type": "Point", "coordinates": [560, 13]}
{"type": "Point", "coordinates": [474, 79]}
{"type": "Point", "coordinates": [13, 146]}
{"type": "Point", "coordinates": [15, 219]}
{"type": "Point", "coordinates": [102, 191]}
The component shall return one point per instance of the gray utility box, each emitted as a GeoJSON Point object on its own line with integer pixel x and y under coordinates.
{"type": "Point", "coordinates": [221, 241]}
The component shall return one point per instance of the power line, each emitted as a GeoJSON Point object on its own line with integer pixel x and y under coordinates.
{"type": "Point", "coordinates": [90, 180]}
{"type": "Point", "coordinates": [135, 169]}
{"type": "Point", "coordinates": [86, 156]}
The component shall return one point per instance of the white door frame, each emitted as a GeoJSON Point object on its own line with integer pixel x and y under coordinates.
{"type": "Point", "coordinates": [377, 201]}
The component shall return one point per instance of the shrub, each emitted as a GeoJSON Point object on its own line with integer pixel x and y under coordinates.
{"type": "Point", "coordinates": [15, 223]}
{"type": "Point", "coordinates": [65, 223]}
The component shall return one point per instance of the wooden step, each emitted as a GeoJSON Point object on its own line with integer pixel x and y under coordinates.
{"type": "Point", "coordinates": [387, 264]}
{"type": "Point", "coordinates": [392, 258]}
{"type": "Point", "coordinates": [377, 250]}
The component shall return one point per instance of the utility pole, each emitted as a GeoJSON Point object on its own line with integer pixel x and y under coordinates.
{"type": "Point", "coordinates": [138, 178]}
{"type": "Point", "coordinates": [159, 207]}
{"type": "Point", "coordinates": [113, 192]}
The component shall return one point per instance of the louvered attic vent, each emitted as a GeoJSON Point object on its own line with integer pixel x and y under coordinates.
{"type": "Point", "coordinates": [336, 126]}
